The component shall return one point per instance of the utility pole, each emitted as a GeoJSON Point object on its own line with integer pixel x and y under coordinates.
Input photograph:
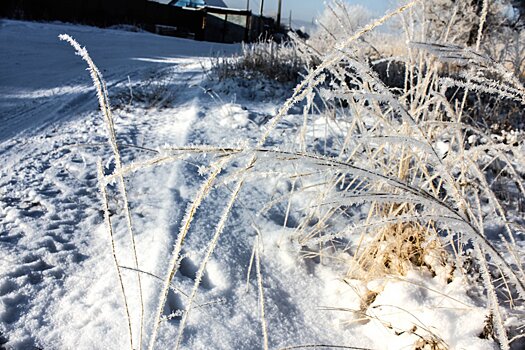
{"type": "Point", "coordinates": [261, 23]}
{"type": "Point", "coordinates": [248, 28]}
{"type": "Point", "coordinates": [290, 21]}
{"type": "Point", "coordinates": [278, 24]}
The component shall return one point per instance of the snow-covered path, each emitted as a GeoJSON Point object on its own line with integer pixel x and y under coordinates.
{"type": "Point", "coordinates": [51, 134]}
{"type": "Point", "coordinates": [41, 81]}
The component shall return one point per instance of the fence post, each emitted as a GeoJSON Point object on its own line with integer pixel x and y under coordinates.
{"type": "Point", "coordinates": [224, 28]}
{"type": "Point", "coordinates": [248, 28]}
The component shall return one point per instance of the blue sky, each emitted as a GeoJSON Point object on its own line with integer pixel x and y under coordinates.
{"type": "Point", "coordinates": [305, 10]}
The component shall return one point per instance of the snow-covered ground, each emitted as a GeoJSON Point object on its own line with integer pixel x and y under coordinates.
{"type": "Point", "coordinates": [42, 82]}
{"type": "Point", "coordinates": [58, 283]}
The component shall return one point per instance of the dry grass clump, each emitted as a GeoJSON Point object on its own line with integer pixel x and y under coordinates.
{"type": "Point", "coordinates": [265, 59]}
{"type": "Point", "coordinates": [430, 344]}
{"type": "Point", "coordinates": [399, 248]}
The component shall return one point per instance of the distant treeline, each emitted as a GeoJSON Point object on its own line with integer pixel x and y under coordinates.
{"type": "Point", "coordinates": [103, 13]}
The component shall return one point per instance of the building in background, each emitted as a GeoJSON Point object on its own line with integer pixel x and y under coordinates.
{"type": "Point", "coordinates": [223, 24]}
{"type": "Point", "coordinates": [209, 20]}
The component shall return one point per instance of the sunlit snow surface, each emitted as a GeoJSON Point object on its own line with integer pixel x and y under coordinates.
{"type": "Point", "coordinates": [58, 283]}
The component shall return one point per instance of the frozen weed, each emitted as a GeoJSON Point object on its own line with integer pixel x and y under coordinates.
{"type": "Point", "coordinates": [105, 107]}
{"type": "Point", "coordinates": [407, 159]}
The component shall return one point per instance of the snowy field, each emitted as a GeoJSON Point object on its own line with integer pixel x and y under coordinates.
{"type": "Point", "coordinates": [59, 288]}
